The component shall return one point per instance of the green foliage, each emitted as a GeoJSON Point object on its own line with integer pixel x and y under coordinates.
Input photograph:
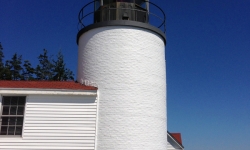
{"type": "Point", "coordinates": [1, 62]}
{"type": "Point", "coordinates": [28, 71]}
{"type": "Point", "coordinates": [7, 75]}
{"type": "Point", "coordinates": [1, 55]}
{"type": "Point", "coordinates": [59, 67]}
{"type": "Point", "coordinates": [61, 72]}
{"type": "Point", "coordinates": [47, 69]}
{"type": "Point", "coordinates": [44, 70]}
{"type": "Point", "coordinates": [69, 75]}
{"type": "Point", "coordinates": [15, 66]}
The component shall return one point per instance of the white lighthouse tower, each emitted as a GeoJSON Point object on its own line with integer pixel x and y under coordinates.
{"type": "Point", "coordinates": [122, 52]}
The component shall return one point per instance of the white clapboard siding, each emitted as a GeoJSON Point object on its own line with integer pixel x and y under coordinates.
{"type": "Point", "coordinates": [56, 122]}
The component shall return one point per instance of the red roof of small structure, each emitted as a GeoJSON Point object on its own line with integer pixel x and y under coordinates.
{"type": "Point", "coordinates": [71, 85]}
{"type": "Point", "coordinates": [177, 137]}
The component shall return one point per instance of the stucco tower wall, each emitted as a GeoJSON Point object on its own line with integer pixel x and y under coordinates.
{"type": "Point", "coordinates": [128, 65]}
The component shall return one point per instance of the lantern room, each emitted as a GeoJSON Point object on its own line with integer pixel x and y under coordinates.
{"type": "Point", "coordinates": [135, 10]}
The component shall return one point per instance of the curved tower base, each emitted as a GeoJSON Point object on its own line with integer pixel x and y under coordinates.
{"type": "Point", "coordinates": [128, 65]}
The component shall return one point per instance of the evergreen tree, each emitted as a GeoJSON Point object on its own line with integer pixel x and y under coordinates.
{"type": "Point", "coordinates": [61, 73]}
{"type": "Point", "coordinates": [45, 70]}
{"type": "Point", "coordinates": [68, 75]}
{"type": "Point", "coordinates": [16, 67]}
{"type": "Point", "coordinates": [59, 67]}
{"type": "Point", "coordinates": [28, 71]}
{"type": "Point", "coordinates": [45, 67]}
{"type": "Point", "coordinates": [1, 55]}
{"type": "Point", "coordinates": [7, 75]}
{"type": "Point", "coordinates": [1, 62]}
{"type": "Point", "coordinates": [38, 72]}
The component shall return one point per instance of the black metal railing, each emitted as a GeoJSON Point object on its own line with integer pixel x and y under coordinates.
{"type": "Point", "coordinates": [87, 16]}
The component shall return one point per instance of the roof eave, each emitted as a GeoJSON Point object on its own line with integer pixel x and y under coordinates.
{"type": "Point", "coordinates": [37, 91]}
{"type": "Point", "coordinates": [175, 140]}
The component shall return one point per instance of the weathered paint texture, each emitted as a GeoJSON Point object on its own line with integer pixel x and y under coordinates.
{"type": "Point", "coordinates": [128, 65]}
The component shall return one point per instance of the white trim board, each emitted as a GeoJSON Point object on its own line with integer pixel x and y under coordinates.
{"type": "Point", "coordinates": [10, 91]}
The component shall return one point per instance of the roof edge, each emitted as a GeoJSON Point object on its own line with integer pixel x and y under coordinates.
{"type": "Point", "coordinates": [36, 91]}
{"type": "Point", "coordinates": [175, 140]}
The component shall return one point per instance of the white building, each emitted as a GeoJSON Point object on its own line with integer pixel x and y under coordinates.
{"type": "Point", "coordinates": [47, 115]}
{"type": "Point", "coordinates": [39, 115]}
{"type": "Point", "coordinates": [121, 57]}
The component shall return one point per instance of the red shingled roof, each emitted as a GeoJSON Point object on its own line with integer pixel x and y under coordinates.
{"type": "Point", "coordinates": [45, 85]}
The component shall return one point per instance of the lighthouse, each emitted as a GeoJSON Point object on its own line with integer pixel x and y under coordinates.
{"type": "Point", "coordinates": [121, 51]}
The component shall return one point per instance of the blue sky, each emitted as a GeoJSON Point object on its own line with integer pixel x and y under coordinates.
{"type": "Point", "coordinates": [208, 60]}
